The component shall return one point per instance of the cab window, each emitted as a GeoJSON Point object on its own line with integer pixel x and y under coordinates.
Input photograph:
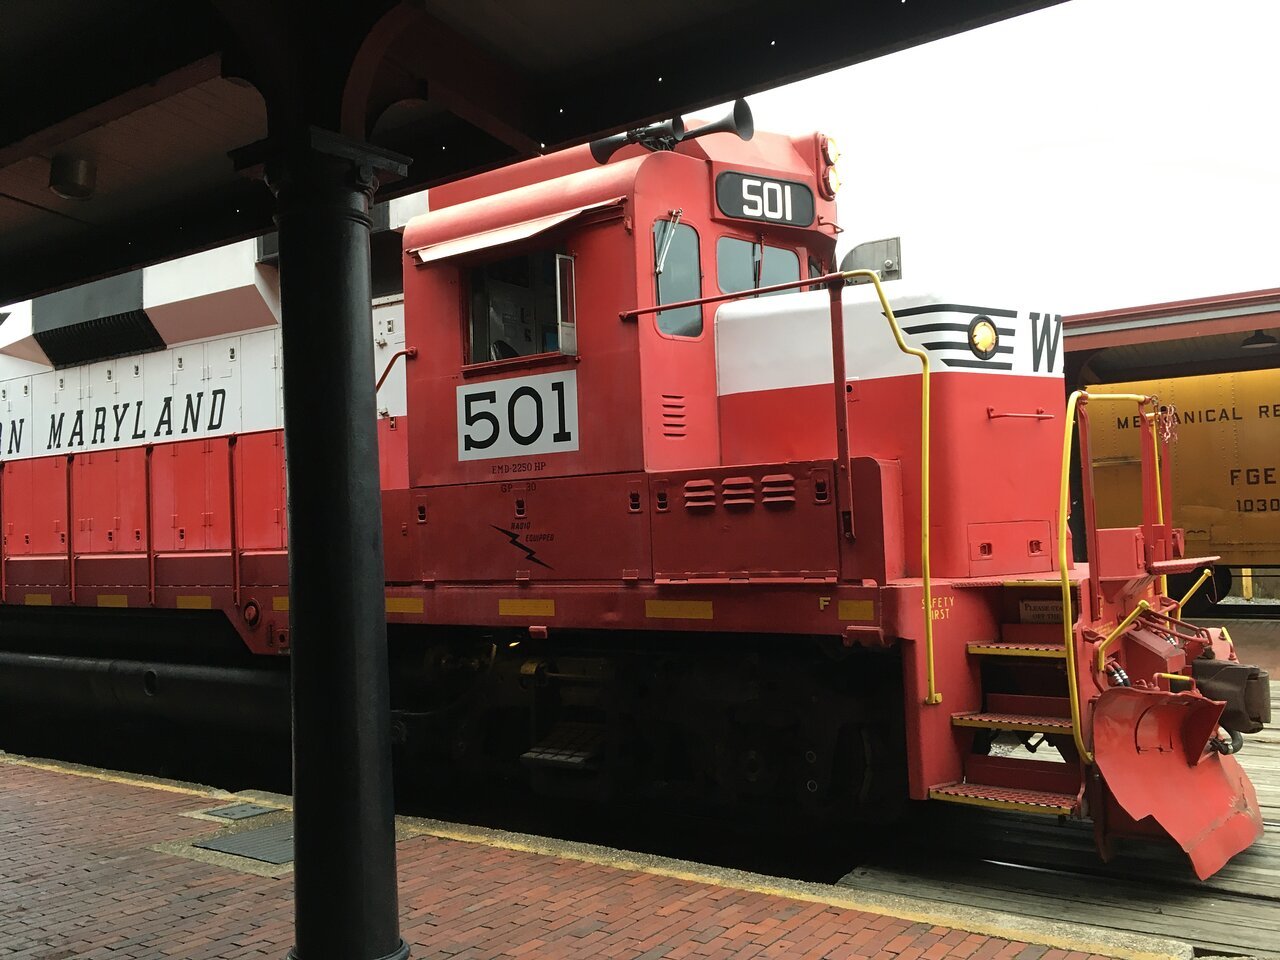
{"type": "Point", "coordinates": [679, 273]}
{"type": "Point", "coordinates": [521, 306]}
{"type": "Point", "coordinates": [746, 265]}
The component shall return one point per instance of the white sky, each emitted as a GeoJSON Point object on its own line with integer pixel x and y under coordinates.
{"type": "Point", "coordinates": [1097, 154]}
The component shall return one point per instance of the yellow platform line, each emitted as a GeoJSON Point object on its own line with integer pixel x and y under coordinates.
{"type": "Point", "coordinates": [108, 776]}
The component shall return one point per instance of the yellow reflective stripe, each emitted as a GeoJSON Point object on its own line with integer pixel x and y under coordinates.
{"type": "Point", "coordinates": [280, 604]}
{"type": "Point", "coordinates": [678, 609]}
{"type": "Point", "coordinates": [856, 610]}
{"type": "Point", "coordinates": [526, 608]}
{"type": "Point", "coordinates": [38, 600]}
{"type": "Point", "coordinates": [113, 600]}
{"type": "Point", "coordinates": [204, 602]}
{"type": "Point", "coordinates": [404, 605]}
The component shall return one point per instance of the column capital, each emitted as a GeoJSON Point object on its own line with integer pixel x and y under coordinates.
{"type": "Point", "coordinates": [270, 157]}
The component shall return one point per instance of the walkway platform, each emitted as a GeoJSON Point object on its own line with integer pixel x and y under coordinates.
{"type": "Point", "coordinates": [104, 866]}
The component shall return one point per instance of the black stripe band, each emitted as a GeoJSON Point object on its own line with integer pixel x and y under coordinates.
{"type": "Point", "coordinates": [953, 328]}
{"type": "Point", "coordinates": [979, 364]}
{"type": "Point", "coordinates": [961, 346]}
{"type": "Point", "coordinates": [953, 308]}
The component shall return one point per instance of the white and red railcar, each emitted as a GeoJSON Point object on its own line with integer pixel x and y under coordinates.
{"type": "Point", "coordinates": [638, 549]}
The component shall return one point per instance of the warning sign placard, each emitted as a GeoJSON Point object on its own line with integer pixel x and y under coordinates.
{"type": "Point", "coordinates": [1040, 611]}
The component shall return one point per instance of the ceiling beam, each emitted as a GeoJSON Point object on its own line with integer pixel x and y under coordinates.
{"type": "Point", "coordinates": [48, 138]}
{"type": "Point", "coordinates": [103, 72]}
{"type": "Point", "coordinates": [408, 48]}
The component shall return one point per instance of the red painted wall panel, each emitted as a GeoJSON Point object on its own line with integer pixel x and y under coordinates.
{"type": "Point", "coordinates": [35, 506]}
{"type": "Point", "coordinates": [109, 501]}
{"type": "Point", "coordinates": [985, 469]}
{"type": "Point", "coordinates": [16, 508]}
{"type": "Point", "coordinates": [576, 528]}
{"type": "Point", "coordinates": [757, 522]}
{"type": "Point", "coordinates": [393, 452]}
{"type": "Point", "coordinates": [260, 491]}
{"type": "Point", "coordinates": [191, 486]}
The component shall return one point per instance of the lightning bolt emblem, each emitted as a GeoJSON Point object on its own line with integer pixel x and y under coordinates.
{"type": "Point", "coordinates": [514, 537]}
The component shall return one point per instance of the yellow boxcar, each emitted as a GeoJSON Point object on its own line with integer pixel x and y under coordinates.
{"type": "Point", "coordinates": [1225, 461]}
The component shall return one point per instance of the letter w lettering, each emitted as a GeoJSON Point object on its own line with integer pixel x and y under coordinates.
{"type": "Point", "coordinates": [1046, 333]}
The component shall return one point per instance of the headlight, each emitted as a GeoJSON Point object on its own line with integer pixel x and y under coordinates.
{"type": "Point", "coordinates": [830, 182]}
{"type": "Point", "coordinates": [984, 338]}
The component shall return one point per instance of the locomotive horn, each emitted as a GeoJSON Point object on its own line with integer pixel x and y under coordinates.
{"type": "Point", "coordinates": [665, 135]}
{"type": "Point", "coordinates": [738, 121]}
{"type": "Point", "coordinates": [656, 136]}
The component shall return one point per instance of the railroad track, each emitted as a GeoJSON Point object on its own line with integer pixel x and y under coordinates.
{"type": "Point", "coordinates": [1040, 868]}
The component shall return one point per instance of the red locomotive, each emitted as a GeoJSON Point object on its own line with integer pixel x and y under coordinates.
{"type": "Point", "coordinates": [675, 507]}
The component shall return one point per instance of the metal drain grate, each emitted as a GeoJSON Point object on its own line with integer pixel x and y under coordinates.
{"type": "Point", "coordinates": [239, 811]}
{"type": "Point", "coordinates": [272, 844]}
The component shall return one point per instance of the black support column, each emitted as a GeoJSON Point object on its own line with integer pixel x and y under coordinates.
{"type": "Point", "coordinates": [344, 826]}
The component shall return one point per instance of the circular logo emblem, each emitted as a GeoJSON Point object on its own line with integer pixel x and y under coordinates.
{"type": "Point", "coordinates": [983, 338]}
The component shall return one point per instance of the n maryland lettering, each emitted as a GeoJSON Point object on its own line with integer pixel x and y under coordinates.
{"type": "Point", "coordinates": [126, 421]}
{"type": "Point", "coordinates": [15, 435]}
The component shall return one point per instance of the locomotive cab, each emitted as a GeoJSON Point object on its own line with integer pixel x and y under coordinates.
{"type": "Point", "coordinates": [515, 299]}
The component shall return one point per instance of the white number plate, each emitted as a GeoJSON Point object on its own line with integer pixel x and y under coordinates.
{"type": "Point", "coordinates": [519, 416]}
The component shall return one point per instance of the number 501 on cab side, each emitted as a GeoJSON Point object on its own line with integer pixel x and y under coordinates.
{"type": "Point", "coordinates": [518, 416]}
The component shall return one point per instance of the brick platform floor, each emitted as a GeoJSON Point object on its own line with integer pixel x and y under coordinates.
{"type": "Point", "coordinates": [79, 878]}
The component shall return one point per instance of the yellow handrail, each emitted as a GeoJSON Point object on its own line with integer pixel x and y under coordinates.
{"type": "Point", "coordinates": [1068, 618]}
{"type": "Point", "coordinates": [1205, 575]}
{"type": "Point", "coordinates": [1114, 634]}
{"type": "Point", "coordinates": [1155, 463]}
{"type": "Point", "coordinates": [934, 696]}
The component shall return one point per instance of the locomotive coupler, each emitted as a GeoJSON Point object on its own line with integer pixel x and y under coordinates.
{"type": "Point", "coordinates": [1245, 688]}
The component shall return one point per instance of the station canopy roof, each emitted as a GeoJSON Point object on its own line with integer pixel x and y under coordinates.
{"type": "Point", "coordinates": [137, 105]}
{"type": "Point", "coordinates": [1218, 334]}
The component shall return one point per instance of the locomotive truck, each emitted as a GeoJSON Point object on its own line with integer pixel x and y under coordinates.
{"type": "Point", "coordinates": [673, 506]}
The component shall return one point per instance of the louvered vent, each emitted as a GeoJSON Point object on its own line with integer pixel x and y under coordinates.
{"type": "Point", "coordinates": [673, 416]}
{"type": "Point", "coordinates": [700, 495]}
{"type": "Point", "coordinates": [778, 489]}
{"type": "Point", "coordinates": [738, 491]}
{"type": "Point", "coordinates": [100, 338]}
